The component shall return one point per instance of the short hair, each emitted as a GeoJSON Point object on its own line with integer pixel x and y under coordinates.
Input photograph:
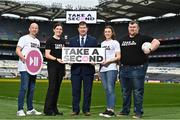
{"type": "Point", "coordinates": [57, 24]}
{"type": "Point", "coordinates": [82, 23]}
{"type": "Point", "coordinates": [134, 22]}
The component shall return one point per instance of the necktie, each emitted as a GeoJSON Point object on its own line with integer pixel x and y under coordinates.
{"type": "Point", "coordinates": [82, 42]}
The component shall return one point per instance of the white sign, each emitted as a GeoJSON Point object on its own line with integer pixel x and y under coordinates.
{"type": "Point", "coordinates": [83, 55]}
{"type": "Point", "coordinates": [78, 16]}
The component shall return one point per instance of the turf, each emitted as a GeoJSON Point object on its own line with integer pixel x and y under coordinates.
{"type": "Point", "coordinates": [161, 101]}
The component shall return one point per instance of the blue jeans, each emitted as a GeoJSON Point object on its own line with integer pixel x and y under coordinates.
{"type": "Point", "coordinates": [132, 80]}
{"type": "Point", "coordinates": [27, 84]}
{"type": "Point", "coordinates": [108, 80]}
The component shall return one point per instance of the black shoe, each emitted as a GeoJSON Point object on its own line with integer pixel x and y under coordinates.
{"type": "Point", "coordinates": [137, 116]}
{"type": "Point", "coordinates": [74, 113]}
{"type": "Point", "coordinates": [59, 113]}
{"type": "Point", "coordinates": [87, 113]}
{"type": "Point", "coordinates": [50, 114]}
{"type": "Point", "coordinates": [108, 114]}
{"type": "Point", "coordinates": [121, 114]}
{"type": "Point", "coordinates": [102, 114]}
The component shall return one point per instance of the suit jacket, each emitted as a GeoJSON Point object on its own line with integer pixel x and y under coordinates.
{"type": "Point", "coordinates": [82, 68]}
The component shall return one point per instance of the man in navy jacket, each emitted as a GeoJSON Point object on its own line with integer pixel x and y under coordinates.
{"type": "Point", "coordinates": [82, 72]}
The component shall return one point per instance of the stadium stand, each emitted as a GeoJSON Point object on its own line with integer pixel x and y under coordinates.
{"type": "Point", "coordinates": [8, 69]}
{"type": "Point", "coordinates": [162, 28]}
{"type": "Point", "coordinates": [156, 28]}
{"type": "Point", "coordinates": [12, 29]}
{"type": "Point", "coordinates": [165, 29]}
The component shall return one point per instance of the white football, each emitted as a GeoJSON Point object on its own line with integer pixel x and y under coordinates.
{"type": "Point", "coordinates": [146, 47]}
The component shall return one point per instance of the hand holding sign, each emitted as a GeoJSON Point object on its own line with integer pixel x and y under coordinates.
{"type": "Point", "coordinates": [60, 60]}
{"type": "Point", "coordinates": [83, 55]}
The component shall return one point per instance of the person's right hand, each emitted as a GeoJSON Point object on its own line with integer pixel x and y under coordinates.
{"type": "Point", "coordinates": [60, 60]}
{"type": "Point", "coordinates": [23, 59]}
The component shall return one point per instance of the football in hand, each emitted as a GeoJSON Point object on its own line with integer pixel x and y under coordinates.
{"type": "Point", "coordinates": [146, 47]}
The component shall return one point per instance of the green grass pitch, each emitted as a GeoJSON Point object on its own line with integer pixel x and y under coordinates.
{"type": "Point", "coordinates": [161, 101]}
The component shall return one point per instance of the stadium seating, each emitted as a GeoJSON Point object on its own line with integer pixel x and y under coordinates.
{"type": "Point", "coordinates": [167, 30]}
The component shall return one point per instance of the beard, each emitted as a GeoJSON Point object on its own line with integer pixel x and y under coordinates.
{"type": "Point", "coordinates": [132, 34]}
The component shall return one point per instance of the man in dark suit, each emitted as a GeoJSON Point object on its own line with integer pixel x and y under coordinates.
{"type": "Point", "coordinates": [82, 72]}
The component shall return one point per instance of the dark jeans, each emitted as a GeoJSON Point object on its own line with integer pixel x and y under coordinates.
{"type": "Point", "coordinates": [132, 81]}
{"type": "Point", "coordinates": [55, 78]}
{"type": "Point", "coordinates": [76, 81]}
{"type": "Point", "coordinates": [27, 85]}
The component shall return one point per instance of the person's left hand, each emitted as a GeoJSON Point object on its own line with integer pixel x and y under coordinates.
{"type": "Point", "coordinates": [105, 63]}
{"type": "Point", "coordinates": [146, 47]}
{"type": "Point", "coordinates": [93, 63]}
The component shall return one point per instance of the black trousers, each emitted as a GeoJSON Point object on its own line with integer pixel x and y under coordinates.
{"type": "Point", "coordinates": [55, 78]}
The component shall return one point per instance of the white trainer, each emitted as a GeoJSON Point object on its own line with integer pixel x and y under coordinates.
{"type": "Point", "coordinates": [20, 113]}
{"type": "Point", "coordinates": [33, 112]}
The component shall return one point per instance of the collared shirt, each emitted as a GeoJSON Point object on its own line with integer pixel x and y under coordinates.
{"type": "Point", "coordinates": [80, 37]}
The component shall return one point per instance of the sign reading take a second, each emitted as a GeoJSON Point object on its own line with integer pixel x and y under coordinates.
{"type": "Point", "coordinates": [83, 55]}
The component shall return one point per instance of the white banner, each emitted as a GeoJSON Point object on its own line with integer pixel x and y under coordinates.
{"type": "Point", "coordinates": [78, 16]}
{"type": "Point", "coordinates": [83, 55]}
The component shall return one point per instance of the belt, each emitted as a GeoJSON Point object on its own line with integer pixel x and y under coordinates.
{"type": "Point", "coordinates": [131, 65]}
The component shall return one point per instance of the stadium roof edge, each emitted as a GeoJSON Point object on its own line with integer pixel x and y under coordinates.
{"type": "Point", "coordinates": [106, 10]}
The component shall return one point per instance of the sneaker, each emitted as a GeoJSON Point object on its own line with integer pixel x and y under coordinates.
{"type": "Point", "coordinates": [20, 113]}
{"type": "Point", "coordinates": [109, 114]}
{"type": "Point", "coordinates": [33, 112]}
{"type": "Point", "coordinates": [87, 113]}
{"type": "Point", "coordinates": [136, 116]}
{"type": "Point", "coordinates": [102, 114]}
{"type": "Point", "coordinates": [74, 113]}
{"type": "Point", "coordinates": [121, 114]}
